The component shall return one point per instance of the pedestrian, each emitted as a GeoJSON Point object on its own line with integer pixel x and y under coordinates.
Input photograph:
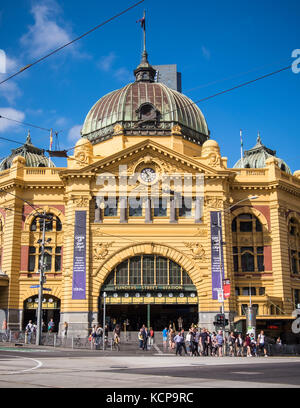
{"type": "Point", "coordinates": [51, 326]}
{"type": "Point", "coordinates": [180, 322]}
{"type": "Point", "coordinates": [99, 336]}
{"type": "Point", "coordinates": [220, 342]}
{"type": "Point", "coordinates": [195, 340]}
{"type": "Point", "coordinates": [183, 346]}
{"type": "Point", "coordinates": [261, 342]}
{"type": "Point", "coordinates": [65, 330]}
{"type": "Point", "coordinates": [203, 342]}
{"type": "Point", "coordinates": [178, 341]}
{"type": "Point", "coordinates": [29, 329]}
{"type": "Point", "coordinates": [165, 338]}
{"type": "Point", "coordinates": [253, 345]}
{"type": "Point", "coordinates": [146, 335]}
{"type": "Point", "coordinates": [208, 343]}
{"type": "Point", "coordinates": [231, 343]}
{"type": "Point", "coordinates": [151, 337]}
{"type": "Point", "coordinates": [140, 338]}
{"type": "Point", "coordinates": [189, 341]}
{"type": "Point", "coordinates": [247, 344]}
{"type": "Point", "coordinates": [239, 345]}
{"type": "Point", "coordinates": [116, 337]}
{"type": "Point", "coordinates": [214, 345]}
{"type": "Point", "coordinates": [171, 339]}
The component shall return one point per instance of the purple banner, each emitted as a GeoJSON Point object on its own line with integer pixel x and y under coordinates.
{"type": "Point", "coordinates": [79, 260]}
{"type": "Point", "coordinates": [216, 248]}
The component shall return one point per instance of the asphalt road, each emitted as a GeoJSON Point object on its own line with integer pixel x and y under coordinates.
{"type": "Point", "coordinates": [46, 368]}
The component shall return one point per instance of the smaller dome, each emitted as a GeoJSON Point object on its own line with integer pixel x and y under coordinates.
{"type": "Point", "coordinates": [83, 141]}
{"type": "Point", "coordinates": [256, 158]}
{"type": "Point", "coordinates": [34, 157]}
{"type": "Point", "coordinates": [210, 143]}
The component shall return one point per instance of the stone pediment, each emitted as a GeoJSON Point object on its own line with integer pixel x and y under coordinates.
{"type": "Point", "coordinates": [145, 153]}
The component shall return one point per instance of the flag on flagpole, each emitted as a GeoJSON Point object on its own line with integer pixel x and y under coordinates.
{"type": "Point", "coordinates": [142, 21]}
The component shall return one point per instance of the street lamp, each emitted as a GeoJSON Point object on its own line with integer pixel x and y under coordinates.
{"type": "Point", "coordinates": [220, 243]}
{"type": "Point", "coordinates": [103, 334]}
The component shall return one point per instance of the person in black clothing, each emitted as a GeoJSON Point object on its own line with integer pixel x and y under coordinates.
{"type": "Point", "coordinates": [183, 341]}
{"type": "Point", "coordinates": [146, 334]}
{"type": "Point", "coordinates": [195, 338]}
{"type": "Point", "coordinates": [203, 342]}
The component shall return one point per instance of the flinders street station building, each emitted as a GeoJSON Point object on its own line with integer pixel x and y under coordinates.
{"type": "Point", "coordinates": [148, 217]}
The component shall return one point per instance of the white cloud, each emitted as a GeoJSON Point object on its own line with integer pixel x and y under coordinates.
{"type": "Point", "coordinates": [11, 113]}
{"type": "Point", "coordinates": [74, 133]}
{"type": "Point", "coordinates": [123, 74]}
{"type": "Point", "coordinates": [205, 52]}
{"type": "Point", "coordinates": [45, 34]}
{"type": "Point", "coordinates": [105, 63]}
{"type": "Point", "coordinates": [9, 90]}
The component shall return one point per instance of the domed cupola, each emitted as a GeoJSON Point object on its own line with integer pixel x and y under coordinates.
{"type": "Point", "coordinates": [256, 157]}
{"type": "Point", "coordinates": [34, 156]}
{"type": "Point", "coordinates": [145, 107]}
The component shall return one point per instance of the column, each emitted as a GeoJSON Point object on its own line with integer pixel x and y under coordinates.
{"type": "Point", "coordinates": [172, 211]}
{"type": "Point", "coordinates": [148, 218]}
{"type": "Point", "coordinates": [123, 210]}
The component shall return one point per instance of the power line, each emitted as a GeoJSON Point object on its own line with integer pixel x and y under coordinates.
{"type": "Point", "coordinates": [70, 42]}
{"type": "Point", "coordinates": [184, 106]}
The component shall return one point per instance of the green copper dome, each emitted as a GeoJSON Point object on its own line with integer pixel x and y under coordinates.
{"type": "Point", "coordinates": [256, 157]}
{"type": "Point", "coordinates": [145, 107]}
{"type": "Point", "coordinates": [34, 156]}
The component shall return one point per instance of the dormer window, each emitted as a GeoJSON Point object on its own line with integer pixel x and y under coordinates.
{"type": "Point", "coordinates": [148, 115]}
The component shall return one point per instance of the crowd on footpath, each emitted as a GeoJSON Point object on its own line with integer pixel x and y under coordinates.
{"type": "Point", "coordinates": [202, 342]}
{"type": "Point", "coordinates": [97, 333]}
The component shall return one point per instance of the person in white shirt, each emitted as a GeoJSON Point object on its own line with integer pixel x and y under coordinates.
{"type": "Point", "coordinates": [261, 342]}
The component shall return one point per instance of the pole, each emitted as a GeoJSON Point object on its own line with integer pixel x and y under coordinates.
{"type": "Point", "coordinates": [221, 273]}
{"type": "Point", "coordinates": [104, 304]}
{"type": "Point", "coordinates": [40, 297]}
{"type": "Point", "coordinates": [148, 316]}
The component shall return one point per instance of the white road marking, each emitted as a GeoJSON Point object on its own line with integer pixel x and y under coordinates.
{"type": "Point", "coordinates": [39, 364]}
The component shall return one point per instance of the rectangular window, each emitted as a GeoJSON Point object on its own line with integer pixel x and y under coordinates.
{"type": "Point", "coordinates": [160, 207]}
{"type": "Point", "coordinates": [57, 259]}
{"type": "Point", "coordinates": [135, 207]}
{"type": "Point", "coordinates": [247, 290]}
{"type": "Point", "coordinates": [237, 291]}
{"type": "Point", "coordinates": [31, 259]}
{"type": "Point", "coordinates": [148, 270]}
{"type": "Point", "coordinates": [161, 271]}
{"type": "Point", "coordinates": [256, 309]}
{"type": "Point", "coordinates": [135, 271]}
{"type": "Point", "coordinates": [246, 226]}
{"type": "Point", "coordinates": [111, 207]}
{"type": "Point", "coordinates": [122, 274]}
{"type": "Point", "coordinates": [185, 207]}
{"type": "Point", "coordinates": [262, 291]}
{"type": "Point", "coordinates": [47, 258]}
{"type": "Point", "coordinates": [175, 273]}
{"type": "Point", "coordinates": [296, 297]}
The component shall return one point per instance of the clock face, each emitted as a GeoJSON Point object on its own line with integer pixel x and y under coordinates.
{"type": "Point", "coordinates": [148, 175]}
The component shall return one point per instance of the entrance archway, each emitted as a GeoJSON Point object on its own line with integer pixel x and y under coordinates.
{"type": "Point", "coordinates": [149, 289]}
{"type": "Point", "coordinates": [50, 309]}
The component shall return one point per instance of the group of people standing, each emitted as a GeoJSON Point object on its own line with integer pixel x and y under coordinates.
{"type": "Point", "coordinates": [146, 338]}
{"type": "Point", "coordinates": [96, 336]}
{"type": "Point", "coordinates": [205, 343]}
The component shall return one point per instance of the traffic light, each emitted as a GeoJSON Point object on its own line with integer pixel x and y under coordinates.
{"type": "Point", "coordinates": [220, 320]}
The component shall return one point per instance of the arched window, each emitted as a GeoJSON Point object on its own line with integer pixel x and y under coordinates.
{"type": "Point", "coordinates": [53, 250]}
{"type": "Point", "coordinates": [148, 270]}
{"type": "Point", "coordinates": [294, 245]}
{"type": "Point", "coordinates": [247, 229]}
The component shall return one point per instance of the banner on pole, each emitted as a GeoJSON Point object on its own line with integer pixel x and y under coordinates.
{"type": "Point", "coordinates": [217, 262]}
{"type": "Point", "coordinates": [79, 259]}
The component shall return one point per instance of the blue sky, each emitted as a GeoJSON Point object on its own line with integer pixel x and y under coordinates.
{"type": "Point", "coordinates": [215, 45]}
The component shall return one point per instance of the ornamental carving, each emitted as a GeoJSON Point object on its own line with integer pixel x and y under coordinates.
{"type": "Point", "coordinates": [176, 130]}
{"type": "Point", "coordinates": [197, 250]}
{"type": "Point", "coordinates": [201, 232]}
{"type": "Point", "coordinates": [118, 129]}
{"type": "Point", "coordinates": [101, 250]}
{"type": "Point", "coordinates": [81, 201]}
{"type": "Point", "coordinates": [82, 158]}
{"type": "Point", "coordinates": [213, 202]}
{"type": "Point", "coordinates": [214, 160]}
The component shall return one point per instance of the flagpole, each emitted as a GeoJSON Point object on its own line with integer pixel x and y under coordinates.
{"type": "Point", "coordinates": [242, 153]}
{"type": "Point", "coordinates": [144, 30]}
{"type": "Point", "coordinates": [50, 146]}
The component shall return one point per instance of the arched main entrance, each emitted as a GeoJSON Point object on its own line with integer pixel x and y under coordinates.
{"type": "Point", "coordinates": [149, 289]}
{"type": "Point", "coordinates": [50, 309]}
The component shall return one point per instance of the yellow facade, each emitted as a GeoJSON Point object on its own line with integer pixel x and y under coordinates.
{"type": "Point", "coordinates": [62, 191]}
